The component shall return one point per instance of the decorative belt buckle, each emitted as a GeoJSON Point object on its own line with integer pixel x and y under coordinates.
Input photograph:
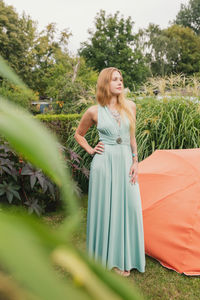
{"type": "Point", "coordinates": [119, 140]}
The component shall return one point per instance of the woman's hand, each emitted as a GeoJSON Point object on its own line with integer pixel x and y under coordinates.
{"type": "Point", "coordinates": [134, 172]}
{"type": "Point", "coordinates": [99, 148]}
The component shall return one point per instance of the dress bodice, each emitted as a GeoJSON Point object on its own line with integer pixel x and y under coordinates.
{"type": "Point", "coordinates": [109, 129]}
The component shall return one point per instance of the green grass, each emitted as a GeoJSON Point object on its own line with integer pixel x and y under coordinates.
{"type": "Point", "coordinates": [156, 283]}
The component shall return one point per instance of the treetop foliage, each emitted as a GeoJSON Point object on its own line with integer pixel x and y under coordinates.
{"type": "Point", "coordinates": [189, 16]}
{"type": "Point", "coordinates": [113, 43]}
{"type": "Point", "coordinates": [43, 61]}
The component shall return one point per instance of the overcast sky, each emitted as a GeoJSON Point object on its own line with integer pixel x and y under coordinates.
{"type": "Point", "coordinates": [78, 15]}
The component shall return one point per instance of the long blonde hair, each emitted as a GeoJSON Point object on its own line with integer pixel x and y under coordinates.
{"type": "Point", "coordinates": [103, 96]}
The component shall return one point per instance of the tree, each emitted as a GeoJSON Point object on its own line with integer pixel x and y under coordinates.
{"type": "Point", "coordinates": [114, 44]}
{"type": "Point", "coordinates": [16, 40]}
{"type": "Point", "coordinates": [50, 56]}
{"type": "Point", "coordinates": [189, 16]}
{"type": "Point", "coordinates": [171, 50]}
{"type": "Point", "coordinates": [30, 53]}
{"type": "Point", "coordinates": [159, 49]}
{"type": "Point", "coordinates": [68, 84]}
{"type": "Point", "coordinates": [42, 60]}
{"type": "Point", "coordinates": [187, 45]}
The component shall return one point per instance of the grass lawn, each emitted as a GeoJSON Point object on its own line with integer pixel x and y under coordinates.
{"type": "Point", "coordinates": [157, 282]}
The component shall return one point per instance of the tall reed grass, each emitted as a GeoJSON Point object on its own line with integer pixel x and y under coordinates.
{"type": "Point", "coordinates": [173, 85]}
{"type": "Point", "coordinates": [167, 124]}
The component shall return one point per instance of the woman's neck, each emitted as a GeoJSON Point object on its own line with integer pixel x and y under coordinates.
{"type": "Point", "coordinates": [113, 103]}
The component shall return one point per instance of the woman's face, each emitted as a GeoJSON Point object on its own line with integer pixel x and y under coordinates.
{"type": "Point", "coordinates": [116, 83]}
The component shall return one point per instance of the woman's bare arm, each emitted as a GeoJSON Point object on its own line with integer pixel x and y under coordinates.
{"type": "Point", "coordinates": [85, 123]}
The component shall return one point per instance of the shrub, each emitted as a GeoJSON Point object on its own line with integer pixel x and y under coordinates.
{"type": "Point", "coordinates": [61, 125]}
{"type": "Point", "coordinates": [64, 127]}
{"type": "Point", "coordinates": [22, 184]}
{"type": "Point", "coordinates": [17, 95]}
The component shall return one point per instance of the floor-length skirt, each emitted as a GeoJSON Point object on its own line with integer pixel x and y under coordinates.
{"type": "Point", "coordinates": [114, 218]}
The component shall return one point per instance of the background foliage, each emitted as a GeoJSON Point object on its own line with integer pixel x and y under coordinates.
{"type": "Point", "coordinates": [188, 15]}
{"type": "Point", "coordinates": [162, 123]}
{"type": "Point", "coordinates": [43, 61]}
{"type": "Point", "coordinates": [113, 43]}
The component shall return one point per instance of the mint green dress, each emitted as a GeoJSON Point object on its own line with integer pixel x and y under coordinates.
{"type": "Point", "coordinates": [115, 235]}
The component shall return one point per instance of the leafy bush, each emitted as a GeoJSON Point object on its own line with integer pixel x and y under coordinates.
{"type": "Point", "coordinates": [61, 125]}
{"type": "Point", "coordinates": [23, 184]}
{"type": "Point", "coordinates": [17, 95]}
{"type": "Point", "coordinates": [68, 84]}
{"type": "Point", "coordinates": [76, 105]}
{"type": "Point", "coordinates": [35, 190]}
{"type": "Point", "coordinates": [64, 127]}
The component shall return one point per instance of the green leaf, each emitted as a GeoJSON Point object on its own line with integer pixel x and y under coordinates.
{"type": "Point", "coordinates": [90, 276]}
{"type": "Point", "coordinates": [9, 196]}
{"type": "Point", "coordinates": [30, 210]}
{"type": "Point", "coordinates": [32, 180]}
{"type": "Point", "coordinates": [22, 253]}
{"type": "Point", "coordinates": [16, 194]}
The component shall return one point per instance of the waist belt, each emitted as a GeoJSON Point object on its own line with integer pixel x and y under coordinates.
{"type": "Point", "coordinates": [114, 140]}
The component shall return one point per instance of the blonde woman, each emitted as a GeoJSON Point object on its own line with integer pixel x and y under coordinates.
{"type": "Point", "coordinates": [114, 218]}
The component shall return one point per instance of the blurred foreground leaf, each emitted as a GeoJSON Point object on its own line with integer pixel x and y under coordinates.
{"type": "Point", "coordinates": [23, 252]}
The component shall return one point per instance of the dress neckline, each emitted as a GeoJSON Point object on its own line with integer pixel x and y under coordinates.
{"type": "Point", "coordinates": [112, 109]}
{"type": "Point", "coordinates": [119, 125]}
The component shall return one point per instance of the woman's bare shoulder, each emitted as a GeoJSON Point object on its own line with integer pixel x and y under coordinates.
{"type": "Point", "coordinates": [132, 106]}
{"type": "Point", "coordinates": [131, 103]}
{"type": "Point", "coordinates": [92, 111]}
{"type": "Point", "coordinates": [93, 108]}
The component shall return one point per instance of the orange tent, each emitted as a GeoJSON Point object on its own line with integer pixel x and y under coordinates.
{"type": "Point", "coordinates": [170, 192]}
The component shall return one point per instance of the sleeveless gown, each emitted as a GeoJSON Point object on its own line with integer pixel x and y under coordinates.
{"type": "Point", "coordinates": [114, 235]}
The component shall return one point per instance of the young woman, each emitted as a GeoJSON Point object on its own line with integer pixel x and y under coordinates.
{"type": "Point", "coordinates": [114, 219]}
